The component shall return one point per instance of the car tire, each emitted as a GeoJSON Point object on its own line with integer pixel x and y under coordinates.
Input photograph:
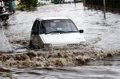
{"type": "Point", "coordinates": [30, 44]}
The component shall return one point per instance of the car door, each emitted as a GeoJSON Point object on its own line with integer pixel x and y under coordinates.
{"type": "Point", "coordinates": [35, 34]}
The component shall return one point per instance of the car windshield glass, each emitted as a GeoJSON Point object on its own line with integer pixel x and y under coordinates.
{"type": "Point", "coordinates": [58, 26]}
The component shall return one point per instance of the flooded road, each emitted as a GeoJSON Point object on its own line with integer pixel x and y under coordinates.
{"type": "Point", "coordinates": [102, 41]}
{"type": "Point", "coordinates": [108, 68]}
{"type": "Point", "coordinates": [84, 72]}
{"type": "Point", "coordinates": [102, 33]}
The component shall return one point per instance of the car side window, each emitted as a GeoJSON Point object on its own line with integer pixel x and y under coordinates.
{"type": "Point", "coordinates": [35, 28]}
{"type": "Point", "coordinates": [42, 28]}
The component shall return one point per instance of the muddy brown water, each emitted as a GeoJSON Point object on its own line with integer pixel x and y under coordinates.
{"type": "Point", "coordinates": [101, 69]}
{"type": "Point", "coordinates": [86, 62]}
{"type": "Point", "coordinates": [60, 64]}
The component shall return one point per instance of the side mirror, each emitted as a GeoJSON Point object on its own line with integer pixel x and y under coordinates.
{"type": "Point", "coordinates": [81, 31]}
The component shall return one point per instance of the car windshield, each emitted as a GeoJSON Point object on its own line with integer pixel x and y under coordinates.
{"type": "Point", "coordinates": [58, 26]}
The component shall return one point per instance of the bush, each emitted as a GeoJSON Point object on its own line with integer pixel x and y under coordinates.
{"type": "Point", "coordinates": [28, 4]}
{"type": "Point", "coordinates": [31, 3]}
{"type": "Point", "coordinates": [56, 1]}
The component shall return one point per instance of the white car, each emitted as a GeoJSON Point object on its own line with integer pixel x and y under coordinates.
{"type": "Point", "coordinates": [55, 32]}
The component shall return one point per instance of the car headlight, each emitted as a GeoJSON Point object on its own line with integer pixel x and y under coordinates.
{"type": "Point", "coordinates": [47, 45]}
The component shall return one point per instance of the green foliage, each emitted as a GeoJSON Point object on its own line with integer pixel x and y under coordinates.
{"type": "Point", "coordinates": [35, 3]}
{"type": "Point", "coordinates": [20, 7]}
{"type": "Point", "coordinates": [56, 1]}
{"type": "Point", "coordinates": [27, 5]}
{"type": "Point", "coordinates": [31, 3]}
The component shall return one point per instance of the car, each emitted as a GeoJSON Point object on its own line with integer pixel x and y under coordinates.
{"type": "Point", "coordinates": [53, 32]}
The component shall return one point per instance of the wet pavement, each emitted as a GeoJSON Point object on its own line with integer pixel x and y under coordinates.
{"type": "Point", "coordinates": [102, 40]}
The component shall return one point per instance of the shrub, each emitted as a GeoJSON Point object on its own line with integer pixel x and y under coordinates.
{"type": "Point", "coordinates": [28, 4]}
{"type": "Point", "coordinates": [56, 1]}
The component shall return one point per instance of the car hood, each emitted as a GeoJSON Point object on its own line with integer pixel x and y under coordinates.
{"type": "Point", "coordinates": [62, 38]}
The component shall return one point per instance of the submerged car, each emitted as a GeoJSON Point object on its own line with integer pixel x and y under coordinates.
{"type": "Point", "coordinates": [55, 32]}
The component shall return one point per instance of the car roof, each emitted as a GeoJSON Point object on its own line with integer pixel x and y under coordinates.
{"type": "Point", "coordinates": [52, 18]}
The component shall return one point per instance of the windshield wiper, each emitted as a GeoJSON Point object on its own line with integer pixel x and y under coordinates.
{"type": "Point", "coordinates": [56, 32]}
{"type": "Point", "coordinates": [70, 31]}
{"type": "Point", "coordinates": [62, 32]}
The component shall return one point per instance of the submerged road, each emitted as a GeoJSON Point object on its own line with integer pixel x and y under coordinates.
{"type": "Point", "coordinates": [101, 33]}
{"type": "Point", "coordinates": [85, 72]}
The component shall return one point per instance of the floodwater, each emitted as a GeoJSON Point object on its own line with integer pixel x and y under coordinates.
{"type": "Point", "coordinates": [101, 35]}
{"type": "Point", "coordinates": [79, 72]}
{"type": "Point", "coordinates": [108, 68]}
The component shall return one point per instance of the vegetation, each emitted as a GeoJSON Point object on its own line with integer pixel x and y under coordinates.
{"type": "Point", "coordinates": [56, 1]}
{"type": "Point", "coordinates": [28, 4]}
{"type": "Point", "coordinates": [31, 3]}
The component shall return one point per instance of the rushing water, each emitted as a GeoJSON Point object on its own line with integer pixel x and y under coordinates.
{"type": "Point", "coordinates": [109, 68]}
{"type": "Point", "coordinates": [67, 73]}
{"type": "Point", "coordinates": [100, 34]}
